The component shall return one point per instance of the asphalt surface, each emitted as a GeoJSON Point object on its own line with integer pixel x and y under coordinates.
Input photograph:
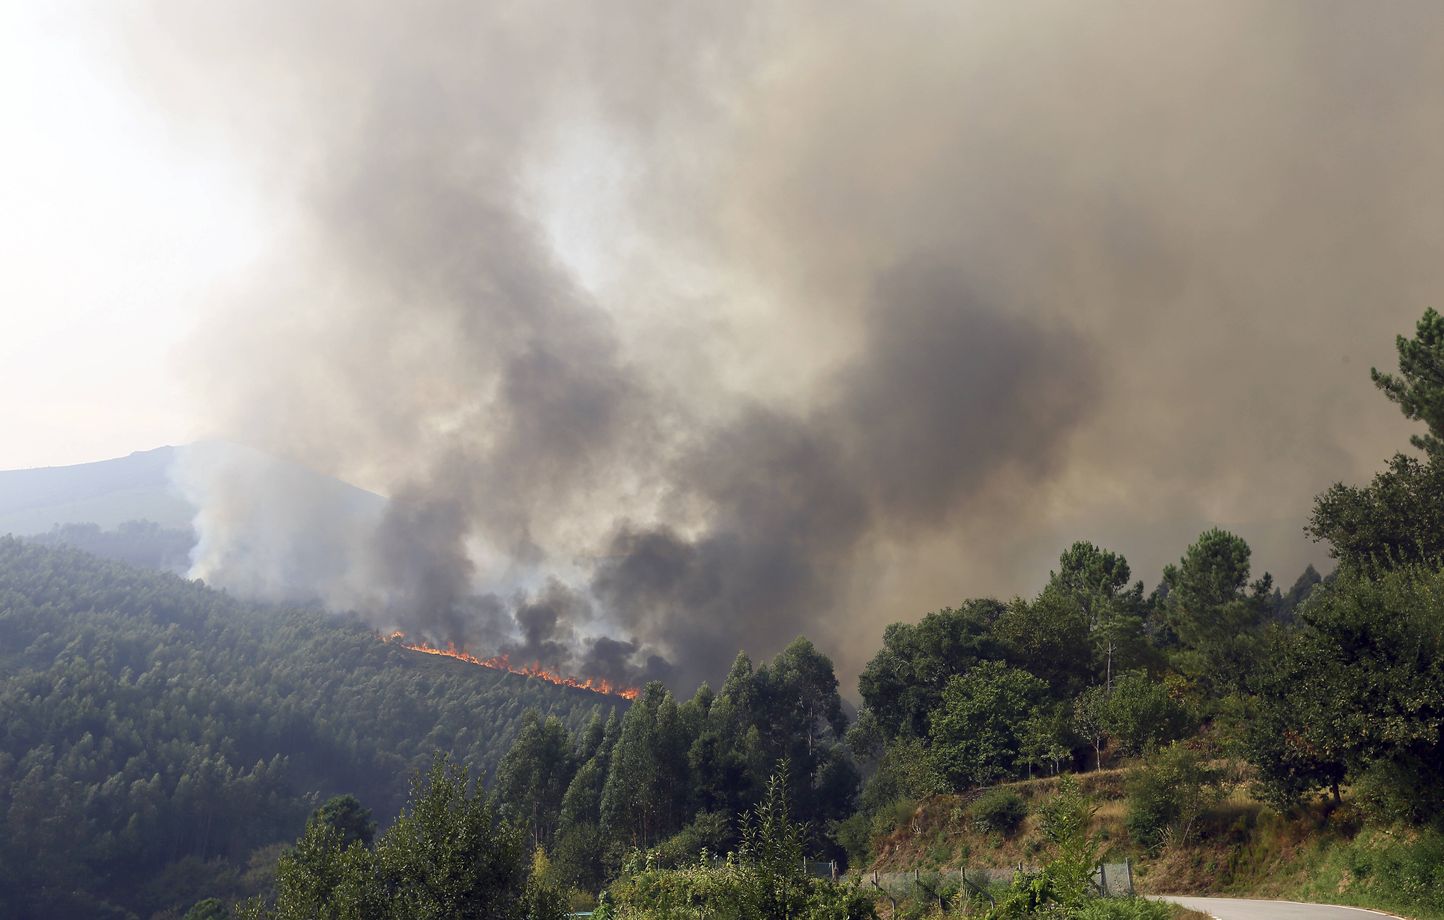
{"type": "Point", "coordinates": [1248, 909]}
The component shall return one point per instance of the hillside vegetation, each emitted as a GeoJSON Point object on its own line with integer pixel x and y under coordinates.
{"type": "Point", "coordinates": [1225, 734]}
{"type": "Point", "coordinates": [158, 739]}
{"type": "Point", "coordinates": [1238, 846]}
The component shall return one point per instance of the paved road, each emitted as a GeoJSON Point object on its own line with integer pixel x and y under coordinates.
{"type": "Point", "coordinates": [1246, 909]}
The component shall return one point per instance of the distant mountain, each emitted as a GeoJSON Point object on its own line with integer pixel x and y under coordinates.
{"type": "Point", "coordinates": [107, 493]}
{"type": "Point", "coordinates": [140, 509]}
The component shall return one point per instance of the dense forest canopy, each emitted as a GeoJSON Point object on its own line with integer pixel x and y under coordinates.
{"type": "Point", "coordinates": [155, 734]}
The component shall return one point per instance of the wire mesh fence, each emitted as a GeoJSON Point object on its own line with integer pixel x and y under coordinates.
{"type": "Point", "coordinates": [1109, 879]}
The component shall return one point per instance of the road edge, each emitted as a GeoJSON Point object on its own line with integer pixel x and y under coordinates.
{"type": "Point", "coordinates": [1368, 910]}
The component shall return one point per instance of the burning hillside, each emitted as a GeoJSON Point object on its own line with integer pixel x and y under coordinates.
{"type": "Point", "coordinates": [503, 663]}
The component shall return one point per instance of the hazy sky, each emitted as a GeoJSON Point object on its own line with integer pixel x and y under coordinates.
{"type": "Point", "coordinates": [693, 324]}
{"type": "Point", "coordinates": [114, 229]}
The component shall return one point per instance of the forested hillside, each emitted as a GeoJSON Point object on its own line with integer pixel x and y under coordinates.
{"type": "Point", "coordinates": [157, 737]}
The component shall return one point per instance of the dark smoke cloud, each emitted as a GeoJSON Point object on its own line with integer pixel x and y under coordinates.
{"type": "Point", "coordinates": [948, 394]}
{"type": "Point", "coordinates": [674, 329]}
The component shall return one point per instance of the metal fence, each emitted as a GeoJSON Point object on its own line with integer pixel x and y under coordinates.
{"type": "Point", "coordinates": [1114, 880]}
{"type": "Point", "coordinates": [819, 869]}
{"type": "Point", "coordinates": [1110, 880]}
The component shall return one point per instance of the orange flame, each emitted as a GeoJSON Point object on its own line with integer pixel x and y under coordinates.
{"type": "Point", "coordinates": [502, 663]}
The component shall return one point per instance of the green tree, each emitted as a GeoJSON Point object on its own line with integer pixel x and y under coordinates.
{"type": "Point", "coordinates": [1141, 714]}
{"type": "Point", "coordinates": [209, 909]}
{"type": "Point", "coordinates": [1418, 388]}
{"type": "Point", "coordinates": [1212, 608]}
{"type": "Point", "coordinates": [323, 878]}
{"type": "Point", "coordinates": [772, 846]}
{"type": "Point", "coordinates": [1357, 693]}
{"type": "Point", "coordinates": [1098, 581]}
{"type": "Point", "coordinates": [644, 796]}
{"type": "Point", "coordinates": [978, 728]}
{"type": "Point", "coordinates": [1398, 519]}
{"type": "Point", "coordinates": [904, 681]}
{"type": "Point", "coordinates": [1046, 738]}
{"type": "Point", "coordinates": [800, 722]}
{"type": "Point", "coordinates": [450, 855]}
{"type": "Point", "coordinates": [535, 773]}
{"type": "Point", "coordinates": [1090, 720]}
{"type": "Point", "coordinates": [1290, 730]}
{"type": "Point", "coordinates": [348, 816]}
{"type": "Point", "coordinates": [1043, 637]}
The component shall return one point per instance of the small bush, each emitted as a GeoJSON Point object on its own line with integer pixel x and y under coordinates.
{"type": "Point", "coordinates": [1168, 796]}
{"type": "Point", "coordinates": [1000, 811]}
{"type": "Point", "coordinates": [710, 832]}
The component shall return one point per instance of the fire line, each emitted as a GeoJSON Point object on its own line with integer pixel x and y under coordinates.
{"type": "Point", "coordinates": [502, 663]}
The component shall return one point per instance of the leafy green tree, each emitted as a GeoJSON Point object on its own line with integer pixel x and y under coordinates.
{"type": "Point", "coordinates": [1046, 738]}
{"type": "Point", "coordinates": [1090, 720]}
{"type": "Point", "coordinates": [904, 681]}
{"type": "Point", "coordinates": [800, 722]}
{"type": "Point", "coordinates": [535, 774]}
{"type": "Point", "coordinates": [772, 846]}
{"type": "Point", "coordinates": [800, 699]}
{"type": "Point", "coordinates": [348, 816]}
{"type": "Point", "coordinates": [1399, 518]}
{"type": "Point", "coordinates": [1418, 388]}
{"type": "Point", "coordinates": [1097, 580]}
{"type": "Point", "coordinates": [1212, 608]}
{"type": "Point", "coordinates": [1360, 686]}
{"type": "Point", "coordinates": [1141, 714]}
{"type": "Point", "coordinates": [644, 796]}
{"type": "Point", "coordinates": [209, 909]}
{"type": "Point", "coordinates": [323, 878]}
{"type": "Point", "coordinates": [450, 855]}
{"type": "Point", "coordinates": [1290, 730]}
{"type": "Point", "coordinates": [1396, 520]}
{"type": "Point", "coordinates": [978, 728]}
{"type": "Point", "coordinates": [1044, 636]}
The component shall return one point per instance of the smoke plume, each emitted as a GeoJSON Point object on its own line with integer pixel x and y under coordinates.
{"type": "Point", "coordinates": [671, 329]}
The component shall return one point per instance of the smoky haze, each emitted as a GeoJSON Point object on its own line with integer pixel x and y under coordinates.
{"type": "Point", "coordinates": [673, 329]}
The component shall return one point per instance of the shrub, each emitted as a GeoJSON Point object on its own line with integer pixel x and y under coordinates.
{"type": "Point", "coordinates": [1142, 715]}
{"type": "Point", "coordinates": [709, 832]}
{"type": "Point", "coordinates": [764, 878]}
{"type": "Point", "coordinates": [999, 811]}
{"type": "Point", "coordinates": [1124, 909]}
{"type": "Point", "coordinates": [1167, 796]}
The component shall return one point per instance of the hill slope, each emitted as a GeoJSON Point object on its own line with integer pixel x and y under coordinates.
{"type": "Point", "coordinates": [156, 734]}
{"type": "Point", "coordinates": [147, 486]}
{"type": "Point", "coordinates": [107, 492]}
